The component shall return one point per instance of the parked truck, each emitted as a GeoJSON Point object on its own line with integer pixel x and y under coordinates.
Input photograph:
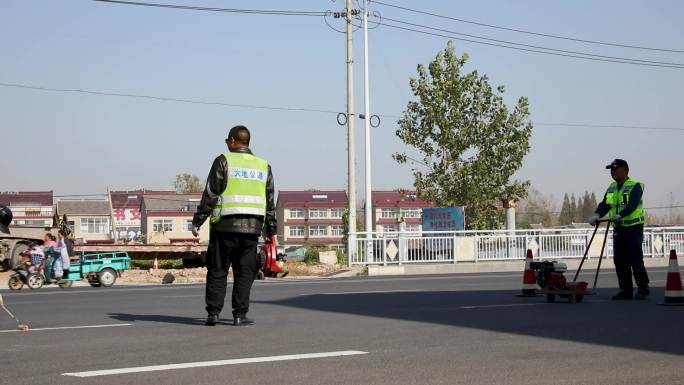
{"type": "Point", "coordinates": [14, 240]}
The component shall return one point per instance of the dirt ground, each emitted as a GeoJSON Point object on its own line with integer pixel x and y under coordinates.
{"type": "Point", "coordinates": [197, 275]}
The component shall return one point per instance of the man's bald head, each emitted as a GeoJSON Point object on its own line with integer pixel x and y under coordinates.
{"type": "Point", "coordinates": [239, 135]}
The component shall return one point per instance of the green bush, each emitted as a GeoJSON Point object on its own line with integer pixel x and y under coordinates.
{"type": "Point", "coordinates": [311, 255]}
{"type": "Point", "coordinates": [146, 264]}
{"type": "Point", "coordinates": [341, 257]}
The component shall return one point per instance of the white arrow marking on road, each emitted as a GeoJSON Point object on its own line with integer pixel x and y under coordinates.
{"type": "Point", "coordinates": [204, 364]}
{"type": "Point", "coordinates": [66, 327]}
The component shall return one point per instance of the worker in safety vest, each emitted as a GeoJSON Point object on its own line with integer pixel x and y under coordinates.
{"type": "Point", "coordinates": [238, 199]}
{"type": "Point", "coordinates": [624, 206]}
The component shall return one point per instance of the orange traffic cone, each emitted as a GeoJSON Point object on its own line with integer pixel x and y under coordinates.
{"type": "Point", "coordinates": [529, 284]}
{"type": "Point", "coordinates": [673, 287]}
{"type": "Point", "coordinates": [155, 265]}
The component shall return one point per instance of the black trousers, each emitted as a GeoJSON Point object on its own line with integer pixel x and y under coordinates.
{"type": "Point", "coordinates": [224, 250]}
{"type": "Point", "coordinates": [629, 257]}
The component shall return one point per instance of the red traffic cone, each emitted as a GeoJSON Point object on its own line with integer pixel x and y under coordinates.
{"type": "Point", "coordinates": [673, 287]}
{"type": "Point", "coordinates": [529, 284]}
{"type": "Point", "coordinates": [155, 265]}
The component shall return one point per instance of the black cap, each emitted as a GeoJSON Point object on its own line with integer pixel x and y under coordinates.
{"type": "Point", "coordinates": [617, 163]}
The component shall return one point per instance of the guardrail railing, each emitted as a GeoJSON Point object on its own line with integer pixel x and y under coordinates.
{"type": "Point", "coordinates": [498, 245]}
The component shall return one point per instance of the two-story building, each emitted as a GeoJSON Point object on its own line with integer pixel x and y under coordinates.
{"type": "Point", "coordinates": [126, 211]}
{"type": "Point", "coordinates": [311, 217]}
{"type": "Point", "coordinates": [29, 208]}
{"type": "Point", "coordinates": [168, 218]}
{"type": "Point", "coordinates": [391, 208]}
{"type": "Point", "coordinates": [89, 219]}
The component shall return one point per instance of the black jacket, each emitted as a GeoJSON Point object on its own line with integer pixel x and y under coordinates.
{"type": "Point", "coordinates": [247, 224]}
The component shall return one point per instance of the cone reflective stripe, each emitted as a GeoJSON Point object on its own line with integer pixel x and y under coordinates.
{"type": "Point", "coordinates": [529, 284]}
{"type": "Point", "coordinates": [673, 287]}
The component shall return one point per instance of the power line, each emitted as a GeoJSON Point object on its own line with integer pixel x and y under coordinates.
{"type": "Point", "coordinates": [165, 99]}
{"type": "Point", "coordinates": [608, 126]}
{"type": "Point", "coordinates": [291, 109]}
{"type": "Point", "coordinates": [533, 50]}
{"type": "Point", "coordinates": [211, 9]}
{"type": "Point", "coordinates": [529, 32]}
{"type": "Point", "coordinates": [533, 46]}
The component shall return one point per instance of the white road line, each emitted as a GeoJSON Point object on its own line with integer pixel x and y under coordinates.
{"type": "Point", "coordinates": [365, 292]}
{"type": "Point", "coordinates": [204, 364]}
{"type": "Point", "coordinates": [67, 327]}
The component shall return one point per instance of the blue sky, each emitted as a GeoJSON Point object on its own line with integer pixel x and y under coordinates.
{"type": "Point", "coordinates": [76, 143]}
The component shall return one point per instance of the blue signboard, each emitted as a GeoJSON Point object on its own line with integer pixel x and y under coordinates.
{"type": "Point", "coordinates": [443, 219]}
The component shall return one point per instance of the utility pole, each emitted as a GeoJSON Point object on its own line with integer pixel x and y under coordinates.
{"type": "Point", "coordinates": [351, 152]}
{"type": "Point", "coordinates": [369, 200]}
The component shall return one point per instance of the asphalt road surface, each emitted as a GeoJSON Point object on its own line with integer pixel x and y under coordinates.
{"type": "Point", "coordinates": [455, 329]}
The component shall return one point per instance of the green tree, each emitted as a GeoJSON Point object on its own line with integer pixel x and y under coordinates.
{"type": "Point", "coordinates": [588, 205]}
{"type": "Point", "coordinates": [565, 216]}
{"type": "Point", "coordinates": [187, 183]}
{"type": "Point", "coordinates": [469, 141]}
{"type": "Point", "coordinates": [573, 209]}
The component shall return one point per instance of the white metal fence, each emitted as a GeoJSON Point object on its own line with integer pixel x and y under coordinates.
{"type": "Point", "coordinates": [499, 245]}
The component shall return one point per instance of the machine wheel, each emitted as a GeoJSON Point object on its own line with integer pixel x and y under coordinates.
{"type": "Point", "coordinates": [260, 275]}
{"type": "Point", "coordinates": [107, 277]}
{"type": "Point", "coordinates": [35, 281]}
{"type": "Point", "coordinates": [65, 284]}
{"type": "Point", "coordinates": [572, 299]}
{"type": "Point", "coordinates": [579, 298]}
{"type": "Point", "coordinates": [550, 298]}
{"type": "Point", "coordinates": [15, 283]}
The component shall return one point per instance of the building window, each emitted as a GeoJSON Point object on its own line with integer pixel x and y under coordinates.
{"type": "Point", "coordinates": [412, 228]}
{"type": "Point", "coordinates": [318, 213]}
{"type": "Point", "coordinates": [389, 212]}
{"type": "Point", "coordinates": [191, 205]}
{"type": "Point", "coordinates": [337, 230]}
{"type": "Point", "coordinates": [162, 225]}
{"type": "Point", "coordinates": [411, 213]}
{"type": "Point", "coordinates": [32, 212]}
{"type": "Point", "coordinates": [94, 225]}
{"type": "Point", "coordinates": [318, 231]}
{"type": "Point", "coordinates": [72, 226]}
{"type": "Point", "coordinates": [336, 213]}
{"type": "Point", "coordinates": [187, 225]}
{"type": "Point", "coordinates": [296, 213]}
{"type": "Point", "coordinates": [297, 231]}
{"type": "Point", "coordinates": [390, 228]}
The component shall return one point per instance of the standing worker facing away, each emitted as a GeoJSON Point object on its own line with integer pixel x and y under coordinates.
{"type": "Point", "coordinates": [239, 199]}
{"type": "Point", "coordinates": [624, 205]}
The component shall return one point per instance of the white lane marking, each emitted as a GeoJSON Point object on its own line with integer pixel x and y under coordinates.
{"type": "Point", "coordinates": [204, 364]}
{"type": "Point", "coordinates": [67, 327]}
{"type": "Point", "coordinates": [183, 296]}
{"type": "Point", "coordinates": [365, 292]}
{"type": "Point", "coordinates": [517, 304]}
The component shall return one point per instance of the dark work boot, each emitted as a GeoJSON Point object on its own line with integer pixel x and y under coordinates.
{"type": "Point", "coordinates": [642, 293]}
{"type": "Point", "coordinates": [622, 295]}
{"type": "Point", "coordinates": [212, 319]}
{"type": "Point", "coordinates": [242, 321]}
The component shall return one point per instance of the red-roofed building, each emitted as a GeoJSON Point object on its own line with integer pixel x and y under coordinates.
{"type": "Point", "coordinates": [126, 211]}
{"type": "Point", "coordinates": [391, 207]}
{"type": "Point", "coordinates": [29, 208]}
{"type": "Point", "coordinates": [311, 217]}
